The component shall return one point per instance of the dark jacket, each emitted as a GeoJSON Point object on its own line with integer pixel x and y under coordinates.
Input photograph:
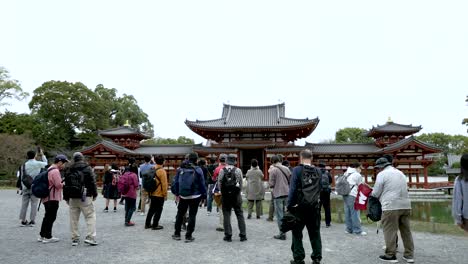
{"type": "Point", "coordinates": [89, 178]}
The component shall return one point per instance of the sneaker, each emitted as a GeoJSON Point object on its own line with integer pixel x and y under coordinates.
{"type": "Point", "coordinates": [227, 239]}
{"type": "Point", "coordinates": [158, 227]}
{"type": "Point", "coordinates": [142, 213]}
{"type": "Point", "coordinates": [91, 241]}
{"type": "Point", "coordinates": [40, 239]}
{"type": "Point", "coordinates": [106, 210]}
{"type": "Point", "coordinates": [129, 223]}
{"type": "Point", "coordinates": [243, 238]}
{"type": "Point", "coordinates": [386, 258]}
{"type": "Point", "coordinates": [75, 242]}
{"type": "Point", "coordinates": [32, 223]}
{"type": "Point", "coordinates": [189, 239]}
{"type": "Point", "coordinates": [121, 202]}
{"type": "Point", "coordinates": [176, 237]}
{"type": "Point", "coordinates": [50, 240]}
{"type": "Point", "coordinates": [347, 232]}
{"type": "Point", "coordinates": [258, 217]}
{"type": "Point", "coordinates": [408, 259]}
{"type": "Point", "coordinates": [270, 219]}
{"type": "Point", "coordinates": [115, 210]}
{"type": "Point", "coordinates": [220, 229]}
{"type": "Point", "coordinates": [24, 223]}
{"type": "Point", "coordinates": [328, 226]}
{"type": "Point", "coordinates": [280, 237]}
{"type": "Point", "coordinates": [297, 262]}
{"type": "Point", "coordinates": [249, 216]}
{"type": "Point", "coordinates": [208, 213]}
{"type": "Point", "coordinates": [148, 226]}
{"type": "Point", "coordinates": [315, 261]}
{"type": "Point", "coordinates": [362, 234]}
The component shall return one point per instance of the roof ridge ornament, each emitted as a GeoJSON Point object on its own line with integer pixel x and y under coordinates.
{"type": "Point", "coordinates": [277, 113]}
{"type": "Point", "coordinates": [127, 124]}
{"type": "Point", "coordinates": [389, 120]}
{"type": "Point", "coordinates": [228, 115]}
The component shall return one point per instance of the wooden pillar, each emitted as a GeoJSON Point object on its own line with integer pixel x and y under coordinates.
{"type": "Point", "coordinates": [410, 176]}
{"type": "Point", "coordinates": [426, 184]}
{"type": "Point", "coordinates": [265, 166]}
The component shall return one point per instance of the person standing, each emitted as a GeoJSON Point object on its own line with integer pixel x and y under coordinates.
{"type": "Point", "coordinates": [230, 182]}
{"type": "Point", "coordinates": [255, 191]}
{"type": "Point", "coordinates": [460, 195]}
{"type": "Point", "coordinates": [325, 192]}
{"type": "Point", "coordinates": [209, 179]}
{"type": "Point", "coordinates": [217, 193]}
{"type": "Point", "coordinates": [110, 191]}
{"type": "Point", "coordinates": [143, 193]}
{"type": "Point", "coordinates": [352, 216]}
{"type": "Point", "coordinates": [392, 191]}
{"type": "Point", "coordinates": [80, 192]}
{"type": "Point", "coordinates": [279, 182]}
{"type": "Point", "coordinates": [130, 178]}
{"type": "Point", "coordinates": [51, 203]}
{"type": "Point", "coordinates": [31, 167]}
{"type": "Point", "coordinates": [157, 197]}
{"type": "Point", "coordinates": [189, 189]}
{"type": "Point", "coordinates": [303, 202]}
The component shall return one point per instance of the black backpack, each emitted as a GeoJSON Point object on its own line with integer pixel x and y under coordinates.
{"type": "Point", "coordinates": [74, 184]}
{"type": "Point", "coordinates": [40, 185]}
{"type": "Point", "coordinates": [374, 209]}
{"type": "Point", "coordinates": [310, 187]}
{"type": "Point", "coordinates": [229, 184]}
{"type": "Point", "coordinates": [149, 180]}
{"type": "Point", "coordinates": [325, 181]}
{"type": "Point", "coordinates": [26, 179]}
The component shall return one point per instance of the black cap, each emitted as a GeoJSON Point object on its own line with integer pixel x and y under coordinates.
{"type": "Point", "coordinates": [382, 163]}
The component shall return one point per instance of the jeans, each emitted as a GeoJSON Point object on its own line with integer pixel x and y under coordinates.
{"type": "Point", "coordinates": [236, 204]}
{"type": "Point", "coordinates": [51, 208]}
{"type": "Point", "coordinates": [87, 208]}
{"type": "Point", "coordinates": [280, 206]}
{"type": "Point", "coordinates": [391, 222]}
{"type": "Point", "coordinates": [27, 197]}
{"type": "Point", "coordinates": [192, 206]}
{"type": "Point", "coordinates": [156, 208]}
{"type": "Point", "coordinates": [310, 219]}
{"type": "Point", "coordinates": [209, 197]}
{"type": "Point", "coordinates": [352, 218]}
{"type": "Point", "coordinates": [130, 206]}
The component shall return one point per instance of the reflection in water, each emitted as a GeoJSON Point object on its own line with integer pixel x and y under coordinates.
{"type": "Point", "coordinates": [421, 211]}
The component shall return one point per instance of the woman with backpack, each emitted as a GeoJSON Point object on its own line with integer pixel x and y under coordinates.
{"type": "Point", "coordinates": [110, 191]}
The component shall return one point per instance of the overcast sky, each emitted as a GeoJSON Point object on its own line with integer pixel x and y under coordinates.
{"type": "Point", "coordinates": [350, 63]}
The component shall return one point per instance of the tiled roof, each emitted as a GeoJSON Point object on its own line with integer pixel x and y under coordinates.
{"type": "Point", "coordinates": [271, 116]}
{"type": "Point", "coordinates": [109, 145]}
{"type": "Point", "coordinates": [408, 140]}
{"type": "Point", "coordinates": [286, 149]}
{"type": "Point", "coordinates": [164, 149]}
{"type": "Point", "coordinates": [118, 131]}
{"type": "Point", "coordinates": [391, 127]}
{"type": "Point", "coordinates": [350, 148]}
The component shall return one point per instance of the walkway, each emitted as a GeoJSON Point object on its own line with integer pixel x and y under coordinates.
{"type": "Point", "coordinates": [119, 244]}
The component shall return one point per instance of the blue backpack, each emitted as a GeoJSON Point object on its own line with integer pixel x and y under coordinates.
{"type": "Point", "coordinates": [40, 184]}
{"type": "Point", "coordinates": [187, 181]}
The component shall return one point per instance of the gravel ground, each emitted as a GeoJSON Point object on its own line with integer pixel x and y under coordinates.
{"type": "Point", "coordinates": [120, 244]}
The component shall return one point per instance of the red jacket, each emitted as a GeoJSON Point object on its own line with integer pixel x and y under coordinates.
{"type": "Point", "coordinates": [132, 180]}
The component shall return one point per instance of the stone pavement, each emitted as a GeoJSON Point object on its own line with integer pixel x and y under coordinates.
{"type": "Point", "coordinates": [119, 244]}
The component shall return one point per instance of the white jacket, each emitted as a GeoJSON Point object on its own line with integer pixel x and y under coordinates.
{"type": "Point", "coordinates": [354, 180]}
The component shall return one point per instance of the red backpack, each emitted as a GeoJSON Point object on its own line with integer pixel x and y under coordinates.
{"type": "Point", "coordinates": [123, 184]}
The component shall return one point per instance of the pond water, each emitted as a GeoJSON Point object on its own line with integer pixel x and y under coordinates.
{"type": "Point", "coordinates": [421, 211]}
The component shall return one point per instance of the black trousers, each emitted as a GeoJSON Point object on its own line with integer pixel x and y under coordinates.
{"type": "Point", "coordinates": [192, 206]}
{"type": "Point", "coordinates": [155, 211]}
{"type": "Point", "coordinates": [236, 204]}
{"type": "Point", "coordinates": [325, 201]}
{"type": "Point", "coordinates": [51, 208]}
{"type": "Point", "coordinates": [309, 218]}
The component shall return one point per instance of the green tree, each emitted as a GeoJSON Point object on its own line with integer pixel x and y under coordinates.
{"type": "Point", "coordinates": [465, 120]}
{"type": "Point", "coordinates": [455, 144]}
{"type": "Point", "coordinates": [352, 135]}
{"type": "Point", "coordinates": [169, 141]}
{"type": "Point", "coordinates": [9, 88]}
{"type": "Point", "coordinates": [117, 110]}
{"type": "Point", "coordinates": [15, 146]}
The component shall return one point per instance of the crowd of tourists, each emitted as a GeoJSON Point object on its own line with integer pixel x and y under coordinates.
{"type": "Point", "coordinates": [298, 194]}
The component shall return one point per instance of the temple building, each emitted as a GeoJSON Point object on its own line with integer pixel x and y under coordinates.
{"type": "Point", "coordinates": [262, 131]}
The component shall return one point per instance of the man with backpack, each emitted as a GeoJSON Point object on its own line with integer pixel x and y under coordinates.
{"type": "Point", "coordinates": [80, 192]}
{"type": "Point", "coordinates": [304, 203]}
{"type": "Point", "coordinates": [209, 196]}
{"type": "Point", "coordinates": [143, 193]}
{"type": "Point", "coordinates": [347, 186]}
{"type": "Point", "coordinates": [28, 171]}
{"type": "Point", "coordinates": [230, 182]}
{"type": "Point", "coordinates": [189, 189]}
{"type": "Point", "coordinates": [279, 182]}
{"type": "Point", "coordinates": [325, 193]}
{"type": "Point", "coordinates": [217, 193]}
{"type": "Point", "coordinates": [54, 184]}
{"type": "Point", "coordinates": [392, 191]}
{"type": "Point", "coordinates": [157, 196]}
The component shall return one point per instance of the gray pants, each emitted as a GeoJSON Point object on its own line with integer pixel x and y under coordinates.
{"type": "Point", "coordinates": [395, 220]}
{"type": "Point", "coordinates": [258, 207]}
{"type": "Point", "coordinates": [27, 197]}
{"type": "Point", "coordinates": [228, 206]}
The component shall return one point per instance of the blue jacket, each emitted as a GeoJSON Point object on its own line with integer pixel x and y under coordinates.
{"type": "Point", "coordinates": [199, 182]}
